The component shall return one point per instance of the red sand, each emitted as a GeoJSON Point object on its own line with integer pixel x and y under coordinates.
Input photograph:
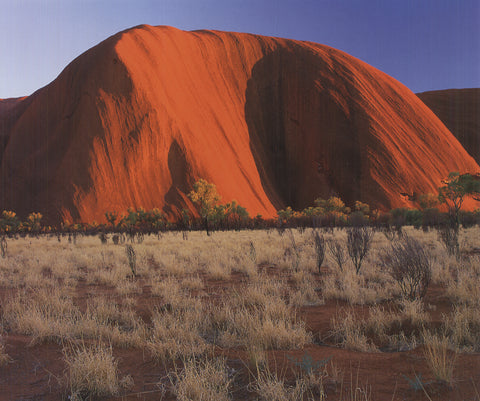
{"type": "Point", "coordinates": [137, 119]}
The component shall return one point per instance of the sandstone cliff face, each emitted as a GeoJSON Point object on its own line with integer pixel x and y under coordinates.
{"type": "Point", "coordinates": [136, 120]}
{"type": "Point", "coordinates": [459, 110]}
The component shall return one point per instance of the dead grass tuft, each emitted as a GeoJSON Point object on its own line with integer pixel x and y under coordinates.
{"type": "Point", "coordinates": [440, 361]}
{"type": "Point", "coordinates": [202, 380]}
{"type": "Point", "coordinates": [92, 371]}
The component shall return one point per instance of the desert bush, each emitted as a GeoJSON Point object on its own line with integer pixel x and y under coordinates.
{"type": "Point", "coordinates": [319, 249]}
{"type": "Point", "coordinates": [293, 252]}
{"type": "Point", "coordinates": [359, 241]}
{"type": "Point", "coordinates": [448, 236]}
{"type": "Point", "coordinates": [132, 259]}
{"type": "Point", "coordinates": [253, 253]}
{"type": "Point", "coordinates": [103, 238]}
{"type": "Point", "coordinates": [409, 264]}
{"type": "Point", "coordinates": [3, 246]}
{"type": "Point", "coordinates": [337, 250]}
{"type": "Point", "coordinates": [92, 372]}
{"type": "Point", "coordinates": [202, 380]}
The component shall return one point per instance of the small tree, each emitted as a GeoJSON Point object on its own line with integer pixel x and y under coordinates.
{"type": "Point", "coordinates": [409, 264]}
{"type": "Point", "coordinates": [319, 249]}
{"type": "Point", "coordinates": [332, 205]}
{"type": "Point", "coordinates": [457, 187]}
{"type": "Point", "coordinates": [132, 259]}
{"type": "Point", "coordinates": [338, 253]}
{"type": "Point", "coordinates": [111, 218]}
{"type": "Point", "coordinates": [33, 222]}
{"type": "Point", "coordinates": [453, 193]}
{"type": "Point", "coordinates": [358, 244]}
{"type": "Point", "coordinates": [3, 246]}
{"type": "Point", "coordinates": [205, 195]}
{"type": "Point", "coordinates": [362, 207]}
{"type": "Point", "coordinates": [285, 215]}
{"type": "Point", "coordinates": [9, 222]}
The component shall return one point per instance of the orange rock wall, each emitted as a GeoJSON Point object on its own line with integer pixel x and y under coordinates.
{"type": "Point", "coordinates": [136, 120]}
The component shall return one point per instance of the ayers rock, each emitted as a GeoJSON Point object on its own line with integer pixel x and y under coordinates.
{"type": "Point", "coordinates": [137, 119]}
{"type": "Point", "coordinates": [459, 110]}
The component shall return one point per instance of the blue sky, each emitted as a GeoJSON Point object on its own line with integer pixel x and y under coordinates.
{"type": "Point", "coordinates": [425, 44]}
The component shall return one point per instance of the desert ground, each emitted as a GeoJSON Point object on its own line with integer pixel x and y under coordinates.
{"type": "Point", "coordinates": [244, 315]}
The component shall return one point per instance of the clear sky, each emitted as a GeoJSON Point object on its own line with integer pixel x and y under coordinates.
{"type": "Point", "coordinates": [425, 44]}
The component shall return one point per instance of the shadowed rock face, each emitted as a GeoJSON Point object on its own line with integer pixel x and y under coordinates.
{"type": "Point", "coordinates": [459, 110]}
{"type": "Point", "coordinates": [136, 120]}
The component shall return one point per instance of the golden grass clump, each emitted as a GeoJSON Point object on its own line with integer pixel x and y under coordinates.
{"type": "Point", "coordinates": [258, 315]}
{"type": "Point", "coordinates": [270, 387]}
{"type": "Point", "coordinates": [92, 371]}
{"type": "Point", "coordinates": [463, 328]}
{"type": "Point", "coordinates": [464, 281]}
{"type": "Point", "coordinates": [202, 380]}
{"type": "Point", "coordinates": [370, 286]}
{"type": "Point", "coordinates": [439, 359]}
{"type": "Point", "coordinates": [349, 333]}
{"type": "Point", "coordinates": [50, 315]}
{"type": "Point", "coordinates": [178, 332]}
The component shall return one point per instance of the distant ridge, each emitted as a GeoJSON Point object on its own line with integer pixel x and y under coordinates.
{"type": "Point", "coordinates": [459, 110]}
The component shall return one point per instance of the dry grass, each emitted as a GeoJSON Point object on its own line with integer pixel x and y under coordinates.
{"type": "Point", "coordinates": [381, 328]}
{"type": "Point", "coordinates": [202, 380]}
{"type": "Point", "coordinates": [349, 333]}
{"type": "Point", "coordinates": [270, 387]}
{"type": "Point", "coordinates": [272, 326]}
{"type": "Point", "coordinates": [371, 286]}
{"type": "Point", "coordinates": [463, 328]}
{"type": "Point", "coordinates": [4, 358]}
{"type": "Point", "coordinates": [179, 330]}
{"type": "Point", "coordinates": [92, 371]}
{"type": "Point", "coordinates": [51, 315]}
{"type": "Point", "coordinates": [436, 352]}
{"type": "Point", "coordinates": [247, 289]}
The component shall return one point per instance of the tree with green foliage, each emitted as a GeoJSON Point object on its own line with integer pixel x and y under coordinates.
{"type": "Point", "coordinates": [332, 205]}
{"type": "Point", "coordinates": [428, 201]}
{"type": "Point", "coordinates": [362, 207]}
{"type": "Point", "coordinates": [33, 223]}
{"type": "Point", "coordinates": [286, 214]}
{"type": "Point", "coordinates": [456, 188]}
{"type": "Point", "coordinates": [9, 222]}
{"type": "Point", "coordinates": [111, 218]}
{"type": "Point", "coordinates": [205, 195]}
{"type": "Point", "coordinates": [235, 214]}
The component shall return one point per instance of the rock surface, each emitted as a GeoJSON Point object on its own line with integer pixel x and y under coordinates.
{"type": "Point", "coordinates": [459, 110]}
{"type": "Point", "coordinates": [137, 119]}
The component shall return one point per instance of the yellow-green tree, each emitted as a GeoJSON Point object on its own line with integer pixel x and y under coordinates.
{"type": "Point", "coordinates": [33, 222]}
{"type": "Point", "coordinates": [205, 195]}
